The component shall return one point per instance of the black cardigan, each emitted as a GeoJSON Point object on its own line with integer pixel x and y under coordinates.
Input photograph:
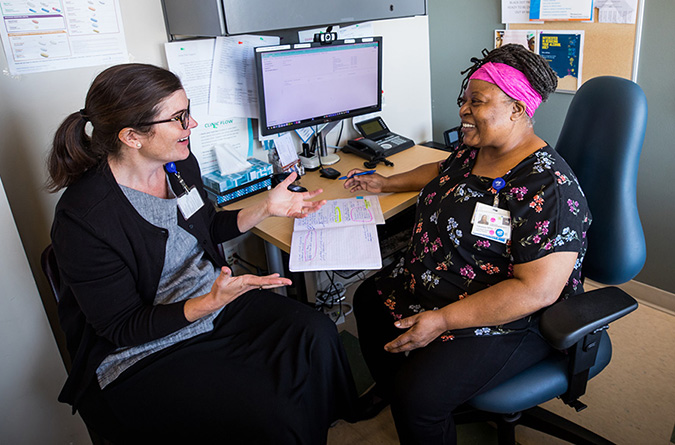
{"type": "Point", "coordinates": [110, 260]}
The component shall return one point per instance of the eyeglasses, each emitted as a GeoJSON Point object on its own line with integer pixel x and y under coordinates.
{"type": "Point", "coordinates": [183, 118]}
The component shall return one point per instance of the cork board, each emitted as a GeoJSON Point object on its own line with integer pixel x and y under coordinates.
{"type": "Point", "coordinates": [608, 47]}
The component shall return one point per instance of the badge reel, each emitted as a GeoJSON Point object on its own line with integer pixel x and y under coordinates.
{"type": "Point", "coordinates": [491, 222]}
{"type": "Point", "coordinates": [190, 201]}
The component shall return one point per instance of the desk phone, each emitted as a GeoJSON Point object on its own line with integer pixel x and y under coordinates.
{"type": "Point", "coordinates": [377, 140]}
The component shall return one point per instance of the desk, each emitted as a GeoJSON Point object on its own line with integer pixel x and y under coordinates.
{"type": "Point", "coordinates": [278, 231]}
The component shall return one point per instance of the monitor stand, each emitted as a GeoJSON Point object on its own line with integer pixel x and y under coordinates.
{"type": "Point", "coordinates": [326, 158]}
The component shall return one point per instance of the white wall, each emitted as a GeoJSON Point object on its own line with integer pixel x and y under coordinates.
{"type": "Point", "coordinates": [406, 80]}
{"type": "Point", "coordinates": [33, 105]}
{"type": "Point", "coordinates": [31, 370]}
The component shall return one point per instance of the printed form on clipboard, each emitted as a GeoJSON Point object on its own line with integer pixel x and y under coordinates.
{"type": "Point", "coordinates": [340, 236]}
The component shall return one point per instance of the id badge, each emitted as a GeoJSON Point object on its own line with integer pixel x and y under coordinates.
{"type": "Point", "coordinates": [491, 222]}
{"type": "Point", "coordinates": [190, 202]}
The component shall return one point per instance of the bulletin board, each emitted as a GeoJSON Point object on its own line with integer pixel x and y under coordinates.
{"type": "Point", "coordinates": [609, 48]}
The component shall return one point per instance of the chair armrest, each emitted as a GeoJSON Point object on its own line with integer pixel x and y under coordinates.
{"type": "Point", "coordinates": [566, 322]}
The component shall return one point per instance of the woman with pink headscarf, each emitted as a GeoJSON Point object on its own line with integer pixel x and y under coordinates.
{"type": "Point", "coordinates": [458, 313]}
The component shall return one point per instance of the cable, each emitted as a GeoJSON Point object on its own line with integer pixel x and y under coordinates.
{"type": "Point", "coordinates": [337, 144]}
{"type": "Point", "coordinates": [350, 275]}
{"type": "Point", "coordinates": [315, 146]}
{"type": "Point", "coordinates": [258, 269]}
{"type": "Point", "coordinates": [376, 160]}
{"type": "Point", "coordinates": [328, 299]}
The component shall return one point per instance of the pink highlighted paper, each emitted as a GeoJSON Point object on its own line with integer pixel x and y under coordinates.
{"type": "Point", "coordinates": [341, 236]}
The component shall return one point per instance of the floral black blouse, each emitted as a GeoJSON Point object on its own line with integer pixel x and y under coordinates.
{"type": "Point", "coordinates": [445, 262]}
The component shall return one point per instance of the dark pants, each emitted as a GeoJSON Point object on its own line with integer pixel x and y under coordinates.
{"type": "Point", "coordinates": [427, 385]}
{"type": "Point", "coordinates": [272, 371]}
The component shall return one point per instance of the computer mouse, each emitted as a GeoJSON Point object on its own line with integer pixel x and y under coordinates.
{"type": "Point", "coordinates": [296, 188]}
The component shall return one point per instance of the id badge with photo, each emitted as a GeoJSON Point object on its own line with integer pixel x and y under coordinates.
{"type": "Point", "coordinates": [190, 202]}
{"type": "Point", "coordinates": [491, 223]}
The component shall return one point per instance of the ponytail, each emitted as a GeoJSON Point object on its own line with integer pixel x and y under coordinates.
{"type": "Point", "coordinates": [71, 153]}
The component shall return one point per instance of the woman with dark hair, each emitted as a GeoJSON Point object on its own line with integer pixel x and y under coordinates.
{"type": "Point", "coordinates": [464, 301]}
{"type": "Point", "coordinates": [166, 345]}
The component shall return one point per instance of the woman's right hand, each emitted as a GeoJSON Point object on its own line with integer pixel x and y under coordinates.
{"type": "Point", "coordinates": [370, 183]}
{"type": "Point", "coordinates": [227, 288]}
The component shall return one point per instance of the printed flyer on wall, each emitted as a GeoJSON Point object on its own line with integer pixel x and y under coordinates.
{"type": "Point", "coordinates": [523, 37]}
{"type": "Point", "coordinates": [564, 52]}
{"type": "Point", "coordinates": [58, 34]}
{"type": "Point", "coordinates": [561, 10]}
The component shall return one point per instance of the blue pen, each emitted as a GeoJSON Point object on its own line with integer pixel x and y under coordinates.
{"type": "Point", "coordinates": [369, 172]}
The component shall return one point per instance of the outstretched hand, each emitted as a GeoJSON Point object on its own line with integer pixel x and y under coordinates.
{"type": "Point", "coordinates": [422, 329]}
{"type": "Point", "coordinates": [283, 202]}
{"type": "Point", "coordinates": [227, 288]}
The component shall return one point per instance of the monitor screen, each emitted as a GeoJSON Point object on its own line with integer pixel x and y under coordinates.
{"type": "Point", "coordinates": [312, 83]}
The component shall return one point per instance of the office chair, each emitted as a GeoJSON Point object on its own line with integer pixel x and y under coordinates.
{"type": "Point", "coordinates": [601, 139]}
{"type": "Point", "coordinates": [51, 270]}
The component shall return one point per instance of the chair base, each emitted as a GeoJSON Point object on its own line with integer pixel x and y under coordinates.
{"type": "Point", "coordinates": [536, 418]}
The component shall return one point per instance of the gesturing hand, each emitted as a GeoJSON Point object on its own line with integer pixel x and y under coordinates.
{"type": "Point", "coordinates": [423, 328]}
{"type": "Point", "coordinates": [226, 288]}
{"type": "Point", "coordinates": [283, 202]}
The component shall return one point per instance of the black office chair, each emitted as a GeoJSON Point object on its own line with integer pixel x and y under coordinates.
{"type": "Point", "coordinates": [51, 270]}
{"type": "Point", "coordinates": [601, 139]}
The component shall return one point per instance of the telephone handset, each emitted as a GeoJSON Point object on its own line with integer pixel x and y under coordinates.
{"type": "Point", "coordinates": [367, 147]}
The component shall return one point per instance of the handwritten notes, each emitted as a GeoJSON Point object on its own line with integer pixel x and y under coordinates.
{"type": "Point", "coordinates": [343, 212]}
{"type": "Point", "coordinates": [341, 236]}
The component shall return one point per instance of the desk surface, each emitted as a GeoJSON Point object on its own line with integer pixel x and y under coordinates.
{"type": "Point", "coordinates": [278, 231]}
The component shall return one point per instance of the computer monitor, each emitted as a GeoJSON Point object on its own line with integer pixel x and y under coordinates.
{"type": "Point", "coordinates": [309, 84]}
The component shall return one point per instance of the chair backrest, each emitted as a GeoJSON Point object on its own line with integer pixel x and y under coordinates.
{"type": "Point", "coordinates": [51, 270]}
{"type": "Point", "coordinates": [601, 140]}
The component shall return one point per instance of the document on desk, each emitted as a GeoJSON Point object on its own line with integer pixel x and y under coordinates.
{"type": "Point", "coordinates": [341, 236]}
{"type": "Point", "coordinates": [343, 212]}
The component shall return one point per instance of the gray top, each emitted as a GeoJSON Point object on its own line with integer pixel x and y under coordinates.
{"type": "Point", "coordinates": [186, 274]}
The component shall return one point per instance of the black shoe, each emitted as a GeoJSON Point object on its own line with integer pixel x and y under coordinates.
{"type": "Point", "coordinates": [369, 405]}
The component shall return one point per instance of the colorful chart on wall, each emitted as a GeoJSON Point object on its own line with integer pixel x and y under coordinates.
{"type": "Point", "coordinates": [54, 35]}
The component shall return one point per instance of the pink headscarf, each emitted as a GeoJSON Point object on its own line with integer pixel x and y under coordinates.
{"type": "Point", "coordinates": [511, 81]}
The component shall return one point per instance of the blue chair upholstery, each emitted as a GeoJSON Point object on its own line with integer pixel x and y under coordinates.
{"type": "Point", "coordinates": [601, 139]}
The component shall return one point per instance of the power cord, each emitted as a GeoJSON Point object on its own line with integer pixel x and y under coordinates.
{"type": "Point", "coordinates": [376, 160]}
{"type": "Point", "coordinates": [240, 262]}
{"type": "Point", "coordinates": [326, 301]}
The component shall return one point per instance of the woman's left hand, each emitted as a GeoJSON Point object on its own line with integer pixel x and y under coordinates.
{"type": "Point", "coordinates": [423, 328]}
{"type": "Point", "coordinates": [283, 202]}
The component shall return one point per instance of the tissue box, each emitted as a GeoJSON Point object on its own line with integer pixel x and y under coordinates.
{"type": "Point", "coordinates": [238, 193]}
{"type": "Point", "coordinates": [219, 184]}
